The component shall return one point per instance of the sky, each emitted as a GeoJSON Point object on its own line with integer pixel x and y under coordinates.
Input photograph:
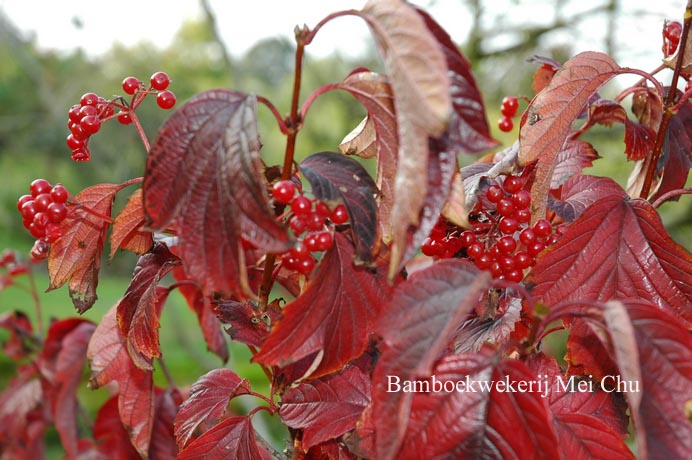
{"type": "Point", "coordinates": [243, 23]}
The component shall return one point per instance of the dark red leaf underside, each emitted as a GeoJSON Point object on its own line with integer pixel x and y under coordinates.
{"type": "Point", "coordinates": [337, 178]}
{"type": "Point", "coordinates": [416, 326]}
{"type": "Point", "coordinates": [234, 436]}
{"type": "Point", "coordinates": [617, 249]}
{"type": "Point", "coordinates": [327, 407]}
{"type": "Point", "coordinates": [248, 324]}
{"type": "Point", "coordinates": [581, 191]}
{"type": "Point", "coordinates": [19, 402]}
{"type": "Point", "coordinates": [76, 256]}
{"type": "Point", "coordinates": [204, 180]}
{"type": "Point", "coordinates": [677, 151]}
{"type": "Point", "coordinates": [468, 129]}
{"type": "Point", "coordinates": [207, 402]}
{"type": "Point", "coordinates": [163, 445]}
{"type": "Point", "coordinates": [498, 424]}
{"type": "Point", "coordinates": [110, 435]}
{"type": "Point", "coordinates": [110, 362]}
{"type": "Point", "coordinates": [127, 233]}
{"type": "Point", "coordinates": [333, 316]}
{"type": "Point", "coordinates": [573, 157]}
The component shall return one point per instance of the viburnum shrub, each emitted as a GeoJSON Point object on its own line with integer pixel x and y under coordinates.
{"type": "Point", "coordinates": [413, 306]}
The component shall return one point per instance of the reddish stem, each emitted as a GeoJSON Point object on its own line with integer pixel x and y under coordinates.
{"type": "Point", "coordinates": [307, 39]}
{"type": "Point", "coordinates": [671, 194]}
{"type": "Point", "coordinates": [267, 103]}
{"type": "Point", "coordinates": [313, 96]}
{"type": "Point", "coordinates": [37, 301]}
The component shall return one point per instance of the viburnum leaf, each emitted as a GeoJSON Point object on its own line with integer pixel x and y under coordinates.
{"type": "Point", "coordinates": [548, 119]}
{"type": "Point", "coordinates": [76, 256]}
{"type": "Point", "coordinates": [138, 313]}
{"type": "Point", "coordinates": [21, 331]}
{"type": "Point", "coordinates": [417, 325]}
{"type": "Point", "coordinates": [233, 435]}
{"type": "Point", "coordinates": [590, 425]}
{"type": "Point", "coordinates": [475, 332]}
{"type": "Point", "coordinates": [207, 401]}
{"type": "Point", "coordinates": [573, 157]}
{"type": "Point", "coordinates": [61, 363]}
{"type": "Point", "coordinates": [581, 191]}
{"type": "Point", "coordinates": [481, 422]}
{"type": "Point", "coordinates": [331, 450]}
{"type": "Point", "coordinates": [468, 129]}
{"type": "Point", "coordinates": [110, 435]}
{"type": "Point", "coordinates": [336, 178]}
{"type": "Point", "coordinates": [587, 350]}
{"type": "Point", "coordinates": [333, 316]}
{"type": "Point", "coordinates": [127, 233]}
{"type": "Point", "coordinates": [677, 151]}
{"type": "Point", "coordinates": [111, 362]}
{"type": "Point", "coordinates": [374, 92]}
{"type": "Point", "coordinates": [617, 249]}
{"type": "Point", "coordinates": [22, 395]}
{"type": "Point", "coordinates": [208, 321]}
{"type": "Point", "coordinates": [327, 407]}
{"type": "Point", "coordinates": [163, 445]}
{"type": "Point", "coordinates": [544, 73]}
{"type": "Point", "coordinates": [249, 325]}
{"type": "Point", "coordinates": [362, 140]}
{"type": "Point", "coordinates": [204, 179]}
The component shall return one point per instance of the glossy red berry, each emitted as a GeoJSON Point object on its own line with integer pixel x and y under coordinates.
{"type": "Point", "coordinates": [535, 248]}
{"type": "Point", "coordinates": [673, 31]}
{"type": "Point", "coordinates": [521, 199]}
{"type": "Point", "coordinates": [542, 228]}
{"type": "Point", "coordinates": [89, 99]}
{"type": "Point", "coordinates": [429, 247]}
{"type": "Point", "coordinates": [73, 113]}
{"type": "Point", "coordinates": [310, 242]}
{"type": "Point", "coordinates": [124, 118]}
{"type": "Point", "coordinates": [301, 206]}
{"type": "Point", "coordinates": [59, 193]}
{"type": "Point", "coordinates": [509, 107]}
{"type": "Point", "coordinates": [339, 215]}
{"type": "Point", "coordinates": [53, 232]}
{"type": "Point", "coordinates": [494, 194]}
{"type": "Point", "coordinates": [130, 85]}
{"type": "Point", "coordinates": [42, 201]}
{"type": "Point", "coordinates": [90, 124]}
{"type": "Point", "coordinates": [512, 184]}
{"type": "Point", "coordinates": [527, 237]}
{"type": "Point", "coordinates": [475, 250]}
{"type": "Point", "coordinates": [483, 262]}
{"type": "Point", "coordinates": [74, 142]}
{"type": "Point", "coordinates": [283, 191]}
{"type": "Point", "coordinates": [467, 238]}
{"type": "Point", "coordinates": [56, 212]}
{"type": "Point", "coordinates": [522, 215]}
{"type": "Point", "coordinates": [508, 225]}
{"type": "Point", "coordinates": [514, 275]}
{"type": "Point", "coordinates": [81, 154]}
{"type": "Point", "coordinates": [315, 221]}
{"type": "Point", "coordinates": [297, 224]}
{"type": "Point", "coordinates": [28, 210]}
{"type": "Point", "coordinates": [505, 207]}
{"type": "Point", "coordinates": [305, 265]}
{"type": "Point", "coordinates": [505, 124]}
{"type": "Point", "coordinates": [506, 244]}
{"type": "Point", "coordinates": [23, 199]}
{"type": "Point", "coordinates": [40, 250]}
{"type": "Point", "coordinates": [165, 99]}
{"type": "Point", "coordinates": [523, 259]}
{"type": "Point", "coordinates": [159, 81]}
{"type": "Point", "coordinates": [299, 251]}
{"type": "Point", "coordinates": [322, 209]}
{"type": "Point", "coordinates": [39, 186]}
{"type": "Point", "coordinates": [324, 241]}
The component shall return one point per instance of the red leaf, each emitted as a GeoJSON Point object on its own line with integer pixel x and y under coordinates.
{"type": "Point", "coordinates": [468, 129]}
{"type": "Point", "coordinates": [138, 313]}
{"type": "Point", "coordinates": [234, 438]}
{"type": "Point", "coordinates": [417, 326]}
{"type": "Point", "coordinates": [336, 178]}
{"type": "Point", "coordinates": [375, 94]}
{"type": "Point", "coordinates": [208, 399]}
{"type": "Point", "coordinates": [550, 115]}
{"type": "Point", "coordinates": [333, 316]}
{"type": "Point", "coordinates": [249, 325]}
{"type": "Point", "coordinates": [327, 407]}
{"type": "Point", "coordinates": [76, 256]}
{"type": "Point", "coordinates": [475, 332]}
{"type": "Point", "coordinates": [113, 441]}
{"type": "Point", "coordinates": [61, 365]}
{"type": "Point", "coordinates": [163, 445]}
{"type": "Point", "coordinates": [208, 322]}
{"type": "Point", "coordinates": [590, 425]}
{"type": "Point", "coordinates": [677, 151]}
{"type": "Point", "coordinates": [127, 226]}
{"type": "Point", "coordinates": [572, 158]}
{"type": "Point", "coordinates": [596, 260]}
{"type": "Point", "coordinates": [22, 395]}
{"type": "Point", "coordinates": [21, 334]}
{"type": "Point", "coordinates": [587, 351]}
{"type": "Point", "coordinates": [204, 179]}
{"type": "Point", "coordinates": [494, 423]}
{"type": "Point", "coordinates": [581, 191]}
{"type": "Point", "coordinates": [111, 362]}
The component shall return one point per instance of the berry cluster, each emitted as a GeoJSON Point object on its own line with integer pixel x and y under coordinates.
{"type": "Point", "coordinates": [85, 118]}
{"type": "Point", "coordinates": [509, 107]}
{"type": "Point", "coordinates": [672, 30]}
{"type": "Point", "coordinates": [501, 241]}
{"type": "Point", "coordinates": [308, 217]}
{"type": "Point", "coordinates": [42, 211]}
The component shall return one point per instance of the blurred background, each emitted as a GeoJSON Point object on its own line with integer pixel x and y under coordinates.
{"type": "Point", "coordinates": [53, 52]}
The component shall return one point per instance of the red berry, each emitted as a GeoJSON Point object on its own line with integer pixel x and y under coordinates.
{"type": "Point", "coordinates": [53, 233]}
{"type": "Point", "coordinates": [521, 199]}
{"type": "Point", "coordinates": [289, 261]}
{"type": "Point", "coordinates": [90, 124]}
{"type": "Point", "coordinates": [673, 31]}
{"type": "Point", "coordinates": [37, 231]}
{"type": "Point", "coordinates": [23, 199]}
{"type": "Point", "coordinates": [299, 251]}
{"type": "Point", "coordinates": [494, 194]}
{"type": "Point", "coordinates": [523, 259]}
{"type": "Point", "coordinates": [542, 228]}
{"type": "Point", "coordinates": [535, 248]}
{"type": "Point", "coordinates": [512, 184]}
{"type": "Point", "coordinates": [165, 99]}
{"type": "Point", "coordinates": [305, 266]}
{"type": "Point", "coordinates": [89, 99]}
{"type": "Point", "coordinates": [505, 124]}
{"type": "Point", "coordinates": [297, 224]}
{"type": "Point", "coordinates": [467, 238]}
{"type": "Point", "coordinates": [310, 242]}
{"type": "Point", "coordinates": [59, 193]}
{"type": "Point", "coordinates": [505, 207]}
{"type": "Point", "coordinates": [495, 269]}
{"type": "Point", "coordinates": [159, 81]}
{"type": "Point", "coordinates": [322, 209]}
{"type": "Point", "coordinates": [508, 225]}
{"type": "Point", "coordinates": [325, 240]}
{"type": "Point", "coordinates": [552, 239]}
{"type": "Point", "coordinates": [130, 85]}
{"type": "Point", "coordinates": [8, 257]}
{"type": "Point", "coordinates": [39, 186]}
{"type": "Point", "coordinates": [315, 221]}
{"type": "Point", "coordinates": [475, 250]}
{"type": "Point", "coordinates": [28, 210]}
{"type": "Point", "coordinates": [522, 215]}
{"type": "Point", "coordinates": [283, 191]}
{"type": "Point", "coordinates": [301, 206]}
{"type": "Point", "coordinates": [509, 107]}
{"type": "Point", "coordinates": [527, 237]}
{"type": "Point", "coordinates": [104, 108]}
{"type": "Point", "coordinates": [81, 154]}
{"type": "Point", "coordinates": [429, 247]}
{"type": "Point", "coordinates": [42, 201]}
{"type": "Point", "coordinates": [40, 250]}
{"type": "Point", "coordinates": [56, 212]}
{"type": "Point", "coordinates": [506, 244]}
{"type": "Point", "coordinates": [124, 118]}
{"type": "Point", "coordinates": [73, 113]}
{"type": "Point", "coordinates": [339, 215]}
{"type": "Point", "coordinates": [86, 111]}
{"type": "Point", "coordinates": [77, 131]}
{"type": "Point", "coordinates": [483, 262]}
{"type": "Point", "coordinates": [74, 142]}
{"type": "Point", "coordinates": [507, 263]}
{"type": "Point", "coordinates": [514, 275]}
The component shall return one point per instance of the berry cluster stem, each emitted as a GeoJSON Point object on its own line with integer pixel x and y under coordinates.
{"type": "Point", "coordinates": [37, 302]}
{"type": "Point", "coordinates": [655, 154]}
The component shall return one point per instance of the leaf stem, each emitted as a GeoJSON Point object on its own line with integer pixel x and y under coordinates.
{"type": "Point", "coordinates": [314, 95]}
{"type": "Point", "coordinates": [167, 373]}
{"type": "Point", "coordinates": [671, 194]}
{"type": "Point", "coordinates": [140, 130]}
{"type": "Point", "coordinates": [37, 301]}
{"type": "Point", "coordinates": [311, 34]}
{"type": "Point", "coordinates": [267, 103]}
{"type": "Point", "coordinates": [655, 154]}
